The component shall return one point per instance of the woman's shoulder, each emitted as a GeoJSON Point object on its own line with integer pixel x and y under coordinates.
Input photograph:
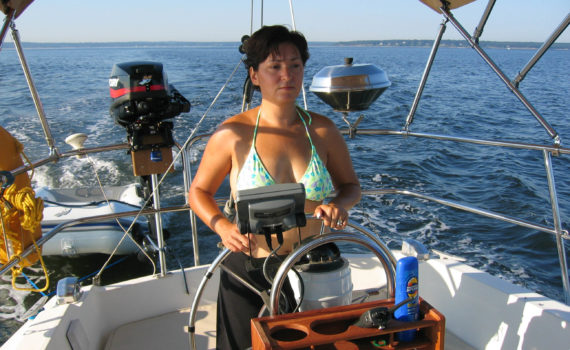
{"type": "Point", "coordinates": [236, 125]}
{"type": "Point", "coordinates": [322, 123]}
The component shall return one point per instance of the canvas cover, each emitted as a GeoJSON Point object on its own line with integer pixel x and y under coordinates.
{"type": "Point", "coordinates": [452, 4]}
{"type": "Point", "coordinates": [17, 5]}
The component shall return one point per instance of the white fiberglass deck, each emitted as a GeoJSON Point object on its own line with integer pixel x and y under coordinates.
{"type": "Point", "coordinates": [152, 312]}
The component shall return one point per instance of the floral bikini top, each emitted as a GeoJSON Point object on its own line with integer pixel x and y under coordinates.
{"type": "Point", "coordinates": [317, 180]}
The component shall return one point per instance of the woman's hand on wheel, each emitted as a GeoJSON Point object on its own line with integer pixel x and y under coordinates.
{"type": "Point", "coordinates": [332, 215]}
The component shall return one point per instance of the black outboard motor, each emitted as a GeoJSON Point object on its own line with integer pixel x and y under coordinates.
{"type": "Point", "coordinates": [140, 92]}
{"type": "Point", "coordinates": [142, 100]}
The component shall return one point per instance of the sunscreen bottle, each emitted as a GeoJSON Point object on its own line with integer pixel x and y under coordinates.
{"type": "Point", "coordinates": [407, 287]}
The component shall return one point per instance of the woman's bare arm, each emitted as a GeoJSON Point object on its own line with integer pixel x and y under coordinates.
{"type": "Point", "coordinates": [214, 167]}
{"type": "Point", "coordinates": [345, 180]}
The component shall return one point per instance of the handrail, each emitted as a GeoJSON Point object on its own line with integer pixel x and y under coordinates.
{"type": "Point", "coordinates": [121, 146]}
{"type": "Point", "coordinates": [56, 157]}
{"type": "Point", "coordinates": [508, 144]}
{"type": "Point", "coordinates": [563, 234]}
{"type": "Point", "coordinates": [557, 231]}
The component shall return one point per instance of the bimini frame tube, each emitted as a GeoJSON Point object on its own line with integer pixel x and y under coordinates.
{"type": "Point", "coordinates": [7, 21]}
{"type": "Point", "coordinates": [33, 91]}
{"type": "Point", "coordinates": [561, 28]}
{"type": "Point", "coordinates": [557, 226]}
{"type": "Point", "coordinates": [483, 21]}
{"type": "Point", "coordinates": [425, 75]}
{"type": "Point", "coordinates": [551, 132]}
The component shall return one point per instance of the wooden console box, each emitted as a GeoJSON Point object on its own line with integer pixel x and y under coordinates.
{"type": "Point", "coordinates": [333, 328]}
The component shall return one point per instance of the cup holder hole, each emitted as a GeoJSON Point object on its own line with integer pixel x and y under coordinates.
{"type": "Point", "coordinates": [288, 334]}
{"type": "Point", "coordinates": [329, 327]}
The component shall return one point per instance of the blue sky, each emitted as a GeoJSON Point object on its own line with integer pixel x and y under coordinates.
{"type": "Point", "coordinates": [319, 20]}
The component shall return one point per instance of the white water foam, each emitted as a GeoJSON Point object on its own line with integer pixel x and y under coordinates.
{"type": "Point", "coordinates": [76, 173]}
{"type": "Point", "coordinates": [13, 301]}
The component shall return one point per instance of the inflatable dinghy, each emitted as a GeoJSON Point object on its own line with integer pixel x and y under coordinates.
{"type": "Point", "coordinates": [62, 205]}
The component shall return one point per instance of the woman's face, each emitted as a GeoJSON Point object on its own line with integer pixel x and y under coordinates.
{"type": "Point", "coordinates": [280, 76]}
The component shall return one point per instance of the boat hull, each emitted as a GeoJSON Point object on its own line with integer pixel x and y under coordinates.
{"type": "Point", "coordinates": [481, 311]}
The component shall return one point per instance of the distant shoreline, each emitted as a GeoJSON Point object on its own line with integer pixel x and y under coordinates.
{"type": "Point", "coordinates": [367, 43]}
{"type": "Point", "coordinates": [455, 43]}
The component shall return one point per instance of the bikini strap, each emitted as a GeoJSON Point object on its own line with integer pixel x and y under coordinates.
{"type": "Point", "coordinates": [306, 113]}
{"type": "Point", "coordinates": [255, 130]}
{"type": "Point", "coordinates": [300, 116]}
{"type": "Point", "coordinates": [305, 124]}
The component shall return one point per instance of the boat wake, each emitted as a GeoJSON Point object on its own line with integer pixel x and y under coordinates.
{"type": "Point", "coordinates": [15, 303]}
{"type": "Point", "coordinates": [78, 173]}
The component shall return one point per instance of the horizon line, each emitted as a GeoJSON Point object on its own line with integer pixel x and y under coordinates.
{"type": "Point", "coordinates": [237, 41]}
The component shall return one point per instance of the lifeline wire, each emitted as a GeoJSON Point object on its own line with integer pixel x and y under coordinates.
{"type": "Point", "coordinates": [126, 232]}
{"type": "Point", "coordinates": [202, 119]}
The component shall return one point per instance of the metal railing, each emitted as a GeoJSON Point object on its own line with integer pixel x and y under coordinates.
{"type": "Point", "coordinates": [559, 233]}
{"type": "Point", "coordinates": [64, 225]}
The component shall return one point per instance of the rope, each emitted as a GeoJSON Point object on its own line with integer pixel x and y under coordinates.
{"type": "Point", "coordinates": [23, 199]}
{"type": "Point", "coordinates": [18, 270]}
{"type": "Point", "coordinates": [21, 206]}
{"type": "Point", "coordinates": [33, 284]}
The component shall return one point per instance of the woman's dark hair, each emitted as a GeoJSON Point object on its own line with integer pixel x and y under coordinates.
{"type": "Point", "coordinates": [266, 41]}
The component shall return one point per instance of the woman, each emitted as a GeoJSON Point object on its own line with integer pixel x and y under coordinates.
{"type": "Point", "coordinates": [277, 142]}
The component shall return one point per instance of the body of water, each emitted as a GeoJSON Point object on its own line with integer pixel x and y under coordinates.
{"type": "Point", "coordinates": [462, 98]}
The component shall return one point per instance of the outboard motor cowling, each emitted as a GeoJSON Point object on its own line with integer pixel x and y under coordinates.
{"type": "Point", "coordinates": [140, 91]}
{"type": "Point", "coordinates": [142, 101]}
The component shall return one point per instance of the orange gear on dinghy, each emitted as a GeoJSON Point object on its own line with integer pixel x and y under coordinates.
{"type": "Point", "coordinates": [21, 211]}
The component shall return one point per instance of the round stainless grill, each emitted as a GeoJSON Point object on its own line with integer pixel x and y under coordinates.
{"type": "Point", "coordinates": [350, 87]}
